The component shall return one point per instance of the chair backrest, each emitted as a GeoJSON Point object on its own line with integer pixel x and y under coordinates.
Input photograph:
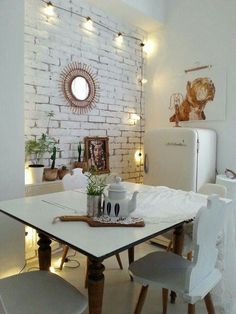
{"type": "Point", "coordinates": [207, 225]}
{"type": "Point", "coordinates": [213, 188]}
{"type": "Point", "coordinates": [76, 181]}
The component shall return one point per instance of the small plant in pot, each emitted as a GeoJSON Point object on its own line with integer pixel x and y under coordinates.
{"type": "Point", "coordinates": [34, 150]}
{"type": "Point", "coordinates": [95, 188]}
{"type": "Point", "coordinates": [79, 163]}
{"type": "Point", "coordinates": [51, 174]}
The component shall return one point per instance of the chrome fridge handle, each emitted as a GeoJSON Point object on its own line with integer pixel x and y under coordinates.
{"type": "Point", "coordinates": [146, 164]}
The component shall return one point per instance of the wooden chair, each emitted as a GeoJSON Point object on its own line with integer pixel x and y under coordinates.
{"type": "Point", "coordinates": [77, 181]}
{"type": "Point", "coordinates": [39, 292]}
{"type": "Point", "coordinates": [194, 280]}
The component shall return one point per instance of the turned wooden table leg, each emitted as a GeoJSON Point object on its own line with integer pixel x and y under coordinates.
{"type": "Point", "coordinates": [178, 243]}
{"type": "Point", "coordinates": [95, 286]}
{"type": "Point", "coordinates": [44, 251]}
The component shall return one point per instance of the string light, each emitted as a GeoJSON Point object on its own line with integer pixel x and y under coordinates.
{"type": "Point", "coordinates": [134, 118]}
{"type": "Point", "coordinates": [49, 9]}
{"type": "Point", "coordinates": [89, 23]}
{"type": "Point", "coordinates": [50, 4]}
{"type": "Point", "coordinates": [149, 47]}
{"type": "Point", "coordinates": [119, 39]}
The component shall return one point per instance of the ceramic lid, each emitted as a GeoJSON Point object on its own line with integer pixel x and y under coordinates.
{"type": "Point", "coordinates": [117, 186]}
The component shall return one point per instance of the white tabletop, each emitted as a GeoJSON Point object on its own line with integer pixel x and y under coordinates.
{"type": "Point", "coordinates": [39, 212]}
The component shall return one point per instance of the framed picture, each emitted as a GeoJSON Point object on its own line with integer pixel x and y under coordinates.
{"type": "Point", "coordinates": [97, 154]}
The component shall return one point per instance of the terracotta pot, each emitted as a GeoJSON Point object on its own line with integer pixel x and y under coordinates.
{"type": "Point", "coordinates": [50, 174]}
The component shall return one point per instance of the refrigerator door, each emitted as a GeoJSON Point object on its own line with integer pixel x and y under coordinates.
{"type": "Point", "coordinates": [171, 158]}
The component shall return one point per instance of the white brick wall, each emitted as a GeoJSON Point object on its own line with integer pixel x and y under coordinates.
{"type": "Point", "coordinates": [52, 43]}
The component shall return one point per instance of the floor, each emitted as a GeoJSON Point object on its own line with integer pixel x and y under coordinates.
{"type": "Point", "coordinates": [120, 294]}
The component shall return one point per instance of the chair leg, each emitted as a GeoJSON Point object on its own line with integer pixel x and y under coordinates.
{"type": "Point", "coordinates": [64, 254]}
{"type": "Point", "coordinates": [191, 308]}
{"type": "Point", "coordinates": [119, 261]}
{"type": "Point", "coordinates": [164, 300]}
{"type": "Point", "coordinates": [141, 300]}
{"type": "Point", "coordinates": [209, 304]}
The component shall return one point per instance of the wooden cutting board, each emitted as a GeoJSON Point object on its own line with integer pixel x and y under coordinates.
{"type": "Point", "coordinates": [93, 223]}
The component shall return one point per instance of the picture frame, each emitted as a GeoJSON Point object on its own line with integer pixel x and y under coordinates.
{"type": "Point", "coordinates": [97, 154]}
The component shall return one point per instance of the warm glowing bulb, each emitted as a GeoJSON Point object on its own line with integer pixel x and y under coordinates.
{"type": "Point", "coordinates": [119, 38]}
{"type": "Point", "coordinates": [138, 156]}
{"type": "Point", "coordinates": [89, 23]}
{"type": "Point", "coordinates": [148, 47]}
{"type": "Point", "coordinates": [144, 81]}
{"type": "Point", "coordinates": [134, 118]}
{"type": "Point", "coordinates": [49, 9]}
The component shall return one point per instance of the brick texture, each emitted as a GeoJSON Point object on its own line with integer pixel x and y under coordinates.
{"type": "Point", "coordinates": [53, 42]}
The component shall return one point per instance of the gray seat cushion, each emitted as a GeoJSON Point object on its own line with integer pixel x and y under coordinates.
{"type": "Point", "coordinates": [40, 292]}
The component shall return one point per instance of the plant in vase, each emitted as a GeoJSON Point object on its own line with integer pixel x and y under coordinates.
{"type": "Point", "coordinates": [34, 150]}
{"type": "Point", "coordinates": [50, 174]}
{"type": "Point", "coordinates": [95, 188]}
{"type": "Point", "coordinates": [79, 163]}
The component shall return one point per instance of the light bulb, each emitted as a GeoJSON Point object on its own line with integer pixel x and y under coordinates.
{"type": "Point", "coordinates": [119, 38]}
{"type": "Point", "coordinates": [138, 156]}
{"type": "Point", "coordinates": [134, 118]}
{"type": "Point", "coordinates": [49, 10]}
{"type": "Point", "coordinates": [149, 47]}
{"type": "Point", "coordinates": [89, 23]}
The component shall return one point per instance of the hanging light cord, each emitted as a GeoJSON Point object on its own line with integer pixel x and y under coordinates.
{"type": "Point", "coordinates": [95, 22]}
{"type": "Point", "coordinates": [140, 112]}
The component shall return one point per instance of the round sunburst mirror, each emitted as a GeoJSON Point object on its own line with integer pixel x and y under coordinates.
{"type": "Point", "coordinates": [79, 86]}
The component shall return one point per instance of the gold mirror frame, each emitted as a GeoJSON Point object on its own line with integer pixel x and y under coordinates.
{"type": "Point", "coordinates": [71, 72]}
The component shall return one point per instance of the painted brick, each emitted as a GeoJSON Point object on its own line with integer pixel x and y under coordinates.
{"type": "Point", "coordinates": [50, 44]}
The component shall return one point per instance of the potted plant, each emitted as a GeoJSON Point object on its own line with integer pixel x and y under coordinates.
{"type": "Point", "coordinates": [35, 149]}
{"type": "Point", "coordinates": [50, 174]}
{"type": "Point", "coordinates": [95, 187]}
{"type": "Point", "coordinates": [79, 163]}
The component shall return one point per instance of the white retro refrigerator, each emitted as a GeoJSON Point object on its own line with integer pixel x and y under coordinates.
{"type": "Point", "coordinates": [180, 158]}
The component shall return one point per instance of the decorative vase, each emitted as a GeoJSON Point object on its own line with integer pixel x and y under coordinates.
{"type": "Point", "coordinates": [50, 174]}
{"type": "Point", "coordinates": [36, 173]}
{"type": "Point", "coordinates": [94, 205]}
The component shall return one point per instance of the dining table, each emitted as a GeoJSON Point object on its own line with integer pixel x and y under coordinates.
{"type": "Point", "coordinates": [159, 207]}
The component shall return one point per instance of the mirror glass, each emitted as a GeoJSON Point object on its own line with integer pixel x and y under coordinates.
{"type": "Point", "coordinates": [80, 88]}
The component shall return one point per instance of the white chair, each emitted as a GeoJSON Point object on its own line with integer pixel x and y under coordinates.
{"type": "Point", "coordinates": [207, 189]}
{"type": "Point", "coordinates": [39, 292]}
{"type": "Point", "coordinates": [213, 188]}
{"type": "Point", "coordinates": [194, 280]}
{"type": "Point", "coordinates": [77, 181]}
